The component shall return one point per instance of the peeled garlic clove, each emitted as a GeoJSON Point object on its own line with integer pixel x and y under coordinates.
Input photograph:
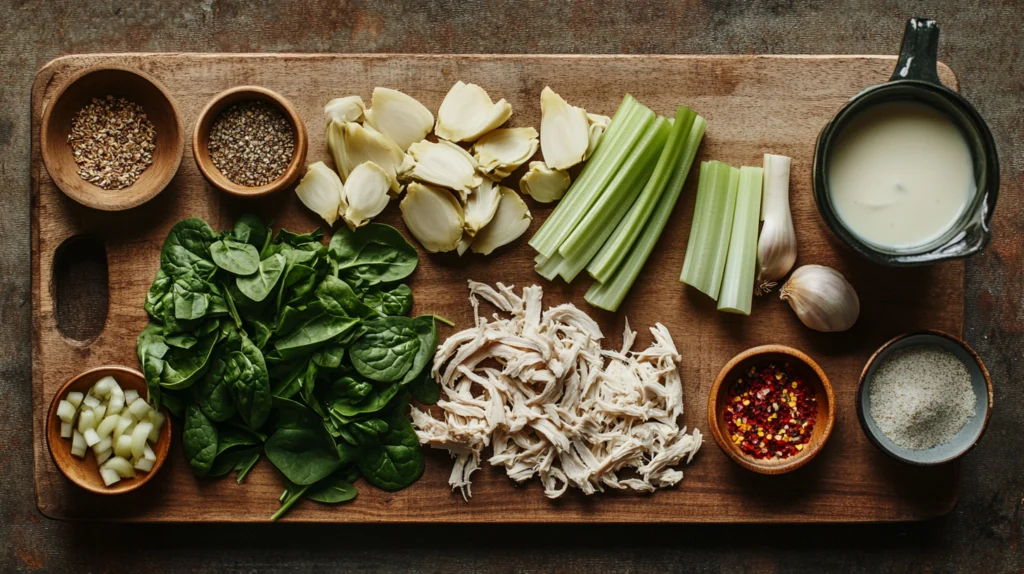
{"type": "Point", "coordinates": [399, 116]}
{"type": "Point", "coordinates": [321, 191]}
{"type": "Point", "coordinates": [509, 222]}
{"type": "Point", "coordinates": [352, 144]}
{"type": "Point", "coordinates": [481, 205]}
{"type": "Point", "coordinates": [598, 124]}
{"type": "Point", "coordinates": [544, 184]}
{"type": "Point", "coordinates": [366, 194]}
{"type": "Point", "coordinates": [501, 151]}
{"type": "Point", "coordinates": [347, 109]}
{"type": "Point", "coordinates": [467, 113]}
{"type": "Point", "coordinates": [444, 164]}
{"type": "Point", "coordinates": [433, 216]}
{"type": "Point", "coordinates": [822, 298]}
{"type": "Point", "coordinates": [564, 131]}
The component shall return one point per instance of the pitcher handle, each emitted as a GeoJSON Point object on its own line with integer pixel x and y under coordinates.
{"type": "Point", "coordinates": [919, 52]}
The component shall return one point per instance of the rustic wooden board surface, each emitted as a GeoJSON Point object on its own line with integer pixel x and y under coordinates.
{"type": "Point", "coordinates": [753, 105]}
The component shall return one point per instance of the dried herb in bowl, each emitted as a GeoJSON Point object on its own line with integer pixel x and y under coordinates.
{"type": "Point", "coordinates": [112, 141]}
{"type": "Point", "coordinates": [252, 143]}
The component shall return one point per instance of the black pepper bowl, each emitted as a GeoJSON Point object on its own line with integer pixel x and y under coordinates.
{"type": "Point", "coordinates": [968, 436]}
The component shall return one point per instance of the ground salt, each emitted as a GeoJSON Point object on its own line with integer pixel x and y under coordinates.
{"type": "Point", "coordinates": [921, 396]}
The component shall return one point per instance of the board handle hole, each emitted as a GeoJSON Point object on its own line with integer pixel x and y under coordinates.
{"type": "Point", "coordinates": [80, 289]}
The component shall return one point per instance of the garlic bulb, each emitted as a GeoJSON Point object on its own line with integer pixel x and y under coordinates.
{"type": "Point", "coordinates": [433, 216]}
{"type": "Point", "coordinates": [347, 109]}
{"type": "Point", "coordinates": [544, 184]}
{"type": "Point", "coordinates": [351, 144]}
{"type": "Point", "coordinates": [510, 221]}
{"type": "Point", "coordinates": [598, 124]}
{"type": "Point", "coordinates": [822, 298]}
{"type": "Point", "coordinates": [501, 151]}
{"type": "Point", "coordinates": [399, 116]}
{"type": "Point", "coordinates": [321, 191]}
{"type": "Point", "coordinates": [564, 131]}
{"type": "Point", "coordinates": [467, 113]}
{"type": "Point", "coordinates": [776, 247]}
{"type": "Point", "coordinates": [481, 206]}
{"type": "Point", "coordinates": [444, 164]}
{"type": "Point", "coordinates": [366, 194]}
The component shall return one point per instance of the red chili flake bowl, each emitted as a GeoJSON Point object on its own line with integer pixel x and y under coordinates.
{"type": "Point", "coordinates": [808, 372]}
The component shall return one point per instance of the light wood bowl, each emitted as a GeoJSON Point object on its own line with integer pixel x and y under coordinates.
{"type": "Point", "coordinates": [84, 472]}
{"type": "Point", "coordinates": [98, 82]}
{"type": "Point", "coordinates": [201, 140]}
{"type": "Point", "coordinates": [761, 356]}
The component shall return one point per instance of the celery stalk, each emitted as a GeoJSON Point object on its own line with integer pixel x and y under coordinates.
{"type": "Point", "coordinates": [712, 227]}
{"type": "Point", "coordinates": [738, 282]}
{"type": "Point", "coordinates": [547, 267]}
{"type": "Point", "coordinates": [618, 245]}
{"type": "Point", "coordinates": [610, 294]}
{"type": "Point", "coordinates": [600, 169]}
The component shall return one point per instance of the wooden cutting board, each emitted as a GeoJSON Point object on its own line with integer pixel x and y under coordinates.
{"type": "Point", "coordinates": [753, 104]}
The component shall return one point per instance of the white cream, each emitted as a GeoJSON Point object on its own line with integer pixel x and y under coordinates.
{"type": "Point", "coordinates": [900, 175]}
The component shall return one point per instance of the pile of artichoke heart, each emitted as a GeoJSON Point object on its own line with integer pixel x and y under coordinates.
{"type": "Point", "coordinates": [450, 186]}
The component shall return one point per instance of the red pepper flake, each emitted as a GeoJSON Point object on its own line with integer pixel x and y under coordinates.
{"type": "Point", "coordinates": [770, 412]}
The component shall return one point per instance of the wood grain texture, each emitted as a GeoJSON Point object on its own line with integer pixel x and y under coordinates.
{"type": "Point", "coordinates": [752, 104]}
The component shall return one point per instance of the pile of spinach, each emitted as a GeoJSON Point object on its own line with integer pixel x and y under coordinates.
{"type": "Point", "coordinates": [280, 345]}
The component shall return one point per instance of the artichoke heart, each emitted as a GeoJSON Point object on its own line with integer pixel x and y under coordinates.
{"type": "Point", "coordinates": [399, 116]}
{"type": "Point", "coordinates": [509, 222]}
{"type": "Point", "coordinates": [366, 194]}
{"type": "Point", "coordinates": [467, 113]}
{"type": "Point", "coordinates": [433, 216]}
{"type": "Point", "coordinates": [544, 184]}
{"type": "Point", "coordinates": [481, 206]}
{"type": "Point", "coordinates": [444, 164]}
{"type": "Point", "coordinates": [352, 144]}
{"type": "Point", "coordinates": [598, 124]}
{"type": "Point", "coordinates": [501, 151]}
{"type": "Point", "coordinates": [564, 131]}
{"type": "Point", "coordinates": [347, 109]}
{"type": "Point", "coordinates": [321, 191]}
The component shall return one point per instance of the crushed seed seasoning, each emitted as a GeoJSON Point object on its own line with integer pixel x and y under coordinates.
{"type": "Point", "coordinates": [770, 412]}
{"type": "Point", "coordinates": [112, 141]}
{"type": "Point", "coordinates": [252, 143]}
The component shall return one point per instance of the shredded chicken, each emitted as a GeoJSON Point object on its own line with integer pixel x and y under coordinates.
{"type": "Point", "coordinates": [541, 392]}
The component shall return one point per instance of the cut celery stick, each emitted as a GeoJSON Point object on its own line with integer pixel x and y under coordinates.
{"type": "Point", "coordinates": [618, 245]}
{"type": "Point", "coordinates": [547, 267]}
{"type": "Point", "coordinates": [599, 222]}
{"type": "Point", "coordinates": [712, 227]}
{"type": "Point", "coordinates": [738, 281]}
{"type": "Point", "coordinates": [609, 295]}
{"type": "Point", "coordinates": [600, 169]}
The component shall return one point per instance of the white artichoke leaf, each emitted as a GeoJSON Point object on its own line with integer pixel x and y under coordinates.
{"type": "Point", "coordinates": [321, 191]}
{"type": "Point", "coordinates": [347, 109]}
{"type": "Point", "coordinates": [351, 144]}
{"type": "Point", "coordinates": [399, 116]}
{"type": "Point", "coordinates": [467, 113]}
{"type": "Point", "coordinates": [444, 164]}
{"type": "Point", "coordinates": [564, 131]}
{"type": "Point", "coordinates": [433, 216]}
{"type": "Point", "coordinates": [544, 184]}
{"type": "Point", "coordinates": [464, 243]}
{"type": "Point", "coordinates": [510, 221]}
{"type": "Point", "coordinates": [481, 206]}
{"type": "Point", "coordinates": [598, 124]}
{"type": "Point", "coordinates": [366, 194]}
{"type": "Point", "coordinates": [501, 151]}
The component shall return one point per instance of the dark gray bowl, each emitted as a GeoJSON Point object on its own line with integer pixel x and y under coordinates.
{"type": "Point", "coordinates": [966, 438]}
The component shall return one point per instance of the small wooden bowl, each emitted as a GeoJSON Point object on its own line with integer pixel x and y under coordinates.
{"type": "Point", "coordinates": [84, 471]}
{"type": "Point", "coordinates": [201, 140]}
{"type": "Point", "coordinates": [759, 357]}
{"type": "Point", "coordinates": [968, 436]}
{"type": "Point", "coordinates": [98, 82]}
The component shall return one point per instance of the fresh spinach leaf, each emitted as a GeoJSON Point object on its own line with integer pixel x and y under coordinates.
{"type": "Point", "coordinates": [386, 350]}
{"type": "Point", "coordinates": [213, 393]}
{"type": "Point", "coordinates": [195, 298]}
{"type": "Point", "coordinates": [372, 254]}
{"type": "Point", "coordinates": [329, 356]}
{"type": "Point", "coordinates": [250, 229]}
{"type": "Point", "coordinates": [241, 460]}
{"type": "Point", "coordinates": [260, 284]}
{"type": "Point", "coordinates": [333, 489]}
{"type": "Point", "coordinates": [425, 390]}
{"type": "Point", "coordinates": [303, 455]}
{"type": "Point", "coordinates": [246, 372]}
{"type": "Point", "coordinates": [187, 249]}
{"type": "Point", "coordinates": [378, 397]}
{"type": "Point", "coordinates": [426, 332]}
{"type": "Point", "coordinates": [338, 298]}
{"type": "Point", "coordinates": [232, 437]}
{"type": "Point", "coordinates": [183, 367]}
{"type": "Point", "coordinates": [235, 257]}
{"type": "Point", "coordinates": [395, 460]}
{"type": "Point", "coordinates": [198, 441]}
{"type": "Point", "coordinates": [292, 494]}
{"type": "Point", "coordinates": [313, 334]}
{"type": "Point", "coordinates": [397, 301]}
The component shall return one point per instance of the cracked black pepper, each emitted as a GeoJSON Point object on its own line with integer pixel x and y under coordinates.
{"type": "Point", "coordinates": [112, 141]}
{"type": "Point", "coordinates": [252, 143]}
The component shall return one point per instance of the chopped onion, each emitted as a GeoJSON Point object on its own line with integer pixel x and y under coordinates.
{"type": "Point", "coordinates": [144, 464]}
{"type": "Point", "coordinates": [148, 454]}
{"type": "Point", "coordinates": [91, 437]}
{"type": "Point", "coordinates": [103, 455]}
{"type": "Point", "coordinates": [157, 418]}
{"type": "Point", "coordinates": [78, 445]}
{"type": "Point", "coordinates": [121, 466]}
{"type": "Point", "coordinates": [116, 402]}
{"type": "Point", "coordinates": [139, 436]}
{"type": "Point", "coordinates": [123, 445]}
{"type": "Point", "coordinates": [91, 401]}
{"type": "Point", "coordinates": [66, 429]}
{"type": "Point", "coordinates": [104, 444]}
{"type": "Point", "coordinates": [109, 476]}
{"type": "Point", "coordinates": [86, 420]}
{"type": "Point", "coordinates": [66, 411]}
{"type": "Point", "coordinates": [75, 398]}
{"type": "Point", "coordinates": [103, 386]}
{"type": "Point", "coordinates": [99, 413]}
{"type": "Point", "coordinates": [140, 409]}
{"type": "Point", "coordinates": [107, 426]}
{"type": "Point", "coordinates": [124, 423]}
{"type": "Point", "coordinates": [129, 396]}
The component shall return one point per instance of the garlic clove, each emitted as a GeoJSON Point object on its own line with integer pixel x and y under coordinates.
{"type": "Point", "coordinates": [444, 164]}
{"type": "Point", "coordinates": [776, 246]}
{"type": "Point", "coordinates": [564, 131]}
{"type": "Point", "coordinates": [544, 184]}
{"type": "Point", "coordinates": [366, 194]}
{"type": "Point", "coordinates": [467, 113]}
{"type": "Point", "coordinates": [399, 116]}
{"type": "Point", "coordinates": [480, 206]}
{"type": "Point", "coordinates": [351, 144]}
{"type": "Point", "coordinates": [598, 124]}
{"type": "Point", "coordinates": [510, 221]}
{"type": "Point", "coordinates": [347, 109]}
{"type": "Point", "coordinates": [822, 298]}
{"type": "Point", "coordinates": [501, 151]}
{"type": "Point", "coordinates": [321, 191]}
{"type": "Point", "coordinates": [433, 216]}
